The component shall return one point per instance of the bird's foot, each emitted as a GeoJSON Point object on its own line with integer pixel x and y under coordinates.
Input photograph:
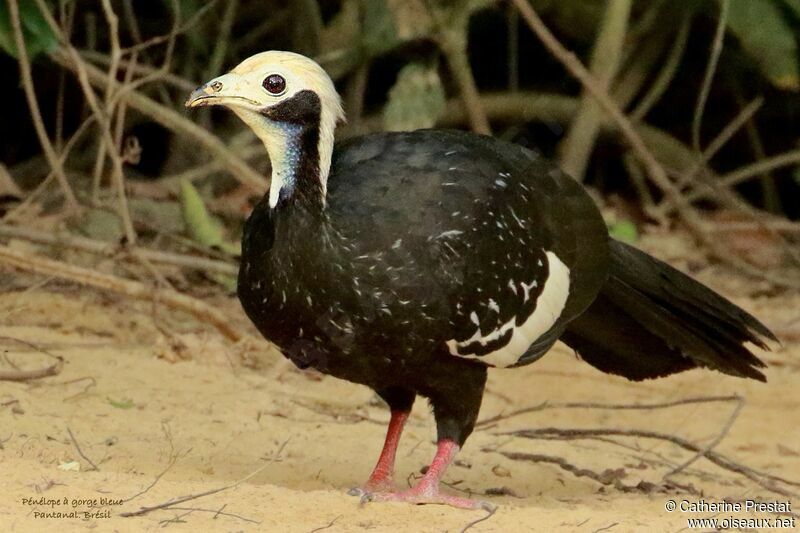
{"type": "Point", "coordinates": [374, 486]}
{"type": "Point", "coordinates": [420, 496]}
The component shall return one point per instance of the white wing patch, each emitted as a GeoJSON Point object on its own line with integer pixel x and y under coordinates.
{"type": "Point", "coordinates": [548, 308]}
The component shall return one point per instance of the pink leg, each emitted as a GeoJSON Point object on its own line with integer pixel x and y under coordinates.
{"type": "Point", "coordinates": [382, 478]}
{"type": "Point", "coordinates": [427, 490]}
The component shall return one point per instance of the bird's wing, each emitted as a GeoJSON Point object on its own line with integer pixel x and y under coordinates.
{"type": "Point", "coordinates": [484, 241]}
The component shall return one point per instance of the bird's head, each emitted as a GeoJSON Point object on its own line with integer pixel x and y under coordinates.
{"type": "Point", "coordinates": [287, 99]}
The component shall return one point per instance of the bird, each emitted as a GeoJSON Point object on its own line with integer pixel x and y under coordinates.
{"type": "Point", "coordinates": [414, 262]}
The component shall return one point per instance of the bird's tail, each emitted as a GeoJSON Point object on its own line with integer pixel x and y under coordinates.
{"type": "Point", "coordinates": [651, 320]}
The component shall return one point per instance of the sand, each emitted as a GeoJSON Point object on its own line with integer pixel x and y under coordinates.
{"type": "Point", "coordinates": [169, 412]}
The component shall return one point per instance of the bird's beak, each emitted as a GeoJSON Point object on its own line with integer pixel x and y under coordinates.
{"type": "Point", "coordinates": [228, 89]}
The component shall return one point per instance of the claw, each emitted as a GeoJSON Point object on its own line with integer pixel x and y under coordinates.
{"type": "Point", "coordinates": [356, 491]}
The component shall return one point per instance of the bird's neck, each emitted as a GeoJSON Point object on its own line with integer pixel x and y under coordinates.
{"type": "Point", "coordinates": [299, 177]}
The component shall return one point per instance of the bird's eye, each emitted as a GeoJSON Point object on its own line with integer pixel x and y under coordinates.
{"type": "Point", "coordinates": [275, 84]}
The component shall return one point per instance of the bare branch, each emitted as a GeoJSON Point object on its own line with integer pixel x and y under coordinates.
{"type": "Point", "coordinates": [705, 89]}
{"type": "Point", "coordinates": [108, 249]}
{"type": "Point", "coordinates": [171, 120]}
{"type": "Point", "coordinates": [576, 148]}
{"type": "Point", "coordinates": [33, 105]}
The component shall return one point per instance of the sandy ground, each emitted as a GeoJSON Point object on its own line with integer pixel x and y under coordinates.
{"type": "Point", "coordinates": [284, 446]}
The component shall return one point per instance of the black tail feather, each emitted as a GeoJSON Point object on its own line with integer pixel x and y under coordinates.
{"type": "Point", "coordinates": [651, 320]}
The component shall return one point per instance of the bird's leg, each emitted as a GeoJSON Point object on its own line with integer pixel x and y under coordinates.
{"type": "Point", "coordinates": [427, 489]}
{"type": "Point", "coordinates": [382, 477]}
{"type": "Point", "coordinates": [455, 406]}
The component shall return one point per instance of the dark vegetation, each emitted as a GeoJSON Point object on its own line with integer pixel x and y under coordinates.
{"type": "Point", "coordinates": [97, 153]}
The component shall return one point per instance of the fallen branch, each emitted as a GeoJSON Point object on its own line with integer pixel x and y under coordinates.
{"type": "Point", "coordinates": [766, 481]}
{"type": "Point", "coordinates": [740, 401]}
{"type": "Point", "coordinates": [609, 406]}
{"type": "Point", "coordinates": [107, 249]}
{"type": "Point", "coordinates": [607, 477]}
{"type": "Point", "coordinates": [26, 375]}
{"type": "Point", "coordinates": [126, 287]}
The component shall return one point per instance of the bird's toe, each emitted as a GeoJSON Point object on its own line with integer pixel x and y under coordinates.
{"type": "Point", "coordinates": [421, 498]}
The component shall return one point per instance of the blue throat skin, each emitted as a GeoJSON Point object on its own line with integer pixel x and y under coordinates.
{"type": "Point", "coordinates": [284, 171]}
{"type": "Point", "coordinates": [293, 153]}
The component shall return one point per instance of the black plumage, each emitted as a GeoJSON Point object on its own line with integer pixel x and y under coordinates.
{"type": "Point", "coordinates": [433, 255]}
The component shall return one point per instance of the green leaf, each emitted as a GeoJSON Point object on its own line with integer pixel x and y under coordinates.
{"type": "Point", "coordinates": [416, 100]}
{"type": "Point", "coordinates": [768, 38]}
{"type": "Point", "coordinates": [624, 230]}
{"type": "Point", "coordinates": [127, 403]}
{"type": "Point", "coordinates": [203, 227]}
{"type": "Point", "coordinates": [37, 33]}
{"type": "Point", "coordinates": [6, 33]}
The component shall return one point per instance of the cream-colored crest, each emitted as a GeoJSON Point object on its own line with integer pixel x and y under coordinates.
{"type": "Point", "coordinates": [242, 90]}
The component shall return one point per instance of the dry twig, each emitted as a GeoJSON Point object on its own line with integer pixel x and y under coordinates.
{"type": "Point", "coordinates": [36, 115]}
{"type": "Point", "coordinates": [217, 512]}
{"type": "Point", "coordinates": [15, 213]}
{"type": "Point", "coordinates": [80, 452]}
{"type": "Point", "coordinates": [67, 56]}
{"type": "Point", "coordinates": [608, 406]}
{"type": "Point", "coordinates": [182, 499]}
{"type": "Point", "coordinates": [171, 120]}
{"type": "Point", "coordinates": [327, 526]}
{"type": "Point", "coordinates": [716, 51]}
{"type": "Point", "coordinates": [766, 481]}
{"type": "Point", "coordinates": [107, 249]}
{"type": "Point", "coordinates": [27, 375]}
{"type": "Point", "coordinates": [711, 445]}
{"type": "Point", "coordinates": [489, 513]}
